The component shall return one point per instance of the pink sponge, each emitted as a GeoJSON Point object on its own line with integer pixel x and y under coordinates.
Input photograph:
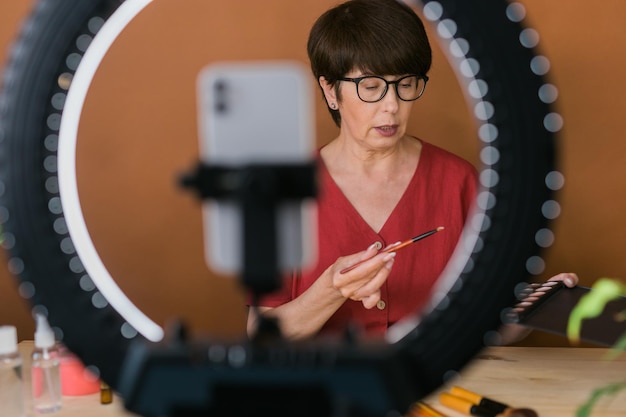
{"type": "Point", "coordinates": [75, 378]}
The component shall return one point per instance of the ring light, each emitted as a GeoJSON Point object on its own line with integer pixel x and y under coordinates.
{"type": "Point", "coordinates": [68, 186]}
{"type": "Point", "coordinates": [61, 274]}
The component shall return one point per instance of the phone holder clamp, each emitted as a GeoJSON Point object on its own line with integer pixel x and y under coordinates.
{"type": "Point", "coordinates": [257, 188]}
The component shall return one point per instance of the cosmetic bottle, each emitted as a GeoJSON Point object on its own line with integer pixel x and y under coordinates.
{"type": "Point", "coordinates": [11, 390]}
{"type": "Point", "coordinates": [106, 394]}
{"type": "Point", "coordinates": [46, 377]}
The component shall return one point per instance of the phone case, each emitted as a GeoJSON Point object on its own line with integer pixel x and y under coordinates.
{"type": "Point", "coordinates": [256, 112]}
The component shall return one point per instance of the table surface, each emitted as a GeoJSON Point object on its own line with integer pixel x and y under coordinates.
{"type": "Point", "coordinates": [552, 381]}
{"type": "Point", "coordinates": [74, 406]}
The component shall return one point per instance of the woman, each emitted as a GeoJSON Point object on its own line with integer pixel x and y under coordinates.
{"type": "Point", "coordinates": [379, 184]}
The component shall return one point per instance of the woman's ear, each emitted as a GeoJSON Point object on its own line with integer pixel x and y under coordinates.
{"type": "Point", "coordinates": [330, 94]}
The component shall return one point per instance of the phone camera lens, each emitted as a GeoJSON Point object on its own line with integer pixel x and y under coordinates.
{"type": "Point", "coordinates": [220, 88]}
{"type": "Point", "coordinates": [220, 107]}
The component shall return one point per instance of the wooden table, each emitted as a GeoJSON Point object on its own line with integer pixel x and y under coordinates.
{"type": "Point", "coordinates": [75, 406]}
{"type": "Point", "coordinates": [552, 381]}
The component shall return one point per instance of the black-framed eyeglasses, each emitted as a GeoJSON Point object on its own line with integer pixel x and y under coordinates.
{"type": "Point", "coordinates": [373, 88]}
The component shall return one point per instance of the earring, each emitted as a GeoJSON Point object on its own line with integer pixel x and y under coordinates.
{"type": "Point", "coordinates": [333, 106]}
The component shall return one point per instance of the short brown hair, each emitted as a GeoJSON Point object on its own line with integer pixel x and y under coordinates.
{"type": "Point", "coordinates": [383, 37]}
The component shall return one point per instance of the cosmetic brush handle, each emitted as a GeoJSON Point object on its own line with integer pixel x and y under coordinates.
{"type": "Point", "coordinates": [464, 406]}
{"type": "Point", "coordinates": [428, 410]}
{"type": "Point", "coordinates": [388, 249]}
{"type": "Point", "coordinates": [396, 247]}
{"type": "Point", "coordinates": [495, 406]}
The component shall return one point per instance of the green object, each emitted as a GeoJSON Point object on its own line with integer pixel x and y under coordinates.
{"type": "Point", "coordinates": [592, 304]}
{"type": "Point", "coordinates": [611, 389]}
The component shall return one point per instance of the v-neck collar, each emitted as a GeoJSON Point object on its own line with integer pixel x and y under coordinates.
{"type": "Point", "coordinates": [333, 187]}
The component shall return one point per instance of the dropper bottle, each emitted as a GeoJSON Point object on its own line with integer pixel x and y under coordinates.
{"type": "Point", "coordinates": [11, 391]}
{"type": "Point", "coordinates": [46, 376]}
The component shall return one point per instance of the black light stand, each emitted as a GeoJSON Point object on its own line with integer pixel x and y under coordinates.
{"type": "Point", "coordinates": [266, 375]}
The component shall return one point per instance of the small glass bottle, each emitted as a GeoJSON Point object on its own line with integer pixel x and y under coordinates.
{"type": "Point", "coordinates": [11, 389]}
{"type": "Point", "coordinates": [46, 377]}
{"type": "Point", "coordinates": [106, 394]}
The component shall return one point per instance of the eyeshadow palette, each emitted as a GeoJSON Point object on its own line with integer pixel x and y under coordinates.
{"type": "Point", "coordinates": [547, 306]}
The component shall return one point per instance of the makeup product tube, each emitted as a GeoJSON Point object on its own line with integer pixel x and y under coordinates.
{"type": "Point", "coordinates": [11, 389]}
{"type": "Point", "coordinates": [46, 377]}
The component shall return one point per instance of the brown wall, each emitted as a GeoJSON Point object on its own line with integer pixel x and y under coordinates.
{"type": "Point", "coordinates": [138, 133]}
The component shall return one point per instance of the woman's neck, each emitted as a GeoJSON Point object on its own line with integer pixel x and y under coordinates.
{"type": "Point", "coordinates": [342, 157]}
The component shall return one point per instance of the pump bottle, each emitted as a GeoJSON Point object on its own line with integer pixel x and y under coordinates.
{"type": "Point", "coordinates": [11, 390]}
{"type": "Point", "coordinates": [46, 377]}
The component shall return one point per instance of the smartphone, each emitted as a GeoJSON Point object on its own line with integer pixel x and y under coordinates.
{"type": "Point", "coordinates": [256, 112]}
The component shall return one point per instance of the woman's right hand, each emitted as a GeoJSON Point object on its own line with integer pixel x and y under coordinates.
{"type": "Point", "coordinates": [363, 283]}
{"type": "Point", "coordinates": [306, 314]}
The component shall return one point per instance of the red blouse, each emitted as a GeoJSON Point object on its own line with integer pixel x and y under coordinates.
{"type": "Point", "coordinates": [440, 193]}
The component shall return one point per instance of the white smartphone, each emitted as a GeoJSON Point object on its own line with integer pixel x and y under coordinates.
{"type": "Point", "coordinates": [256, 112]}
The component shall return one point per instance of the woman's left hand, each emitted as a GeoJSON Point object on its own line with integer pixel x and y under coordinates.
{"type": "Point", "coordinates": [512, 333]}
{"type": "Point", "coordinates": [570, 279]}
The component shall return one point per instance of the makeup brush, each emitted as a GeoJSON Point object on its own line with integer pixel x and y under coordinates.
{"type": "Point", "coordinates": [495, 406]}
{"type": "Point", "coordinates": [428, 410]}
{"type": "Point", "coordinates": [395, 248]}
{"type": "Point", "coordinates": [466, 406]}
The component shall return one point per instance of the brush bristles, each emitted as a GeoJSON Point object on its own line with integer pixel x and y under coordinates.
{"type": "Point", "coordinates": [522, 412]}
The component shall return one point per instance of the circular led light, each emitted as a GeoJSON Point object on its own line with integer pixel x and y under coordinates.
{"type": "Point", "coordinates": [61, 273]}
